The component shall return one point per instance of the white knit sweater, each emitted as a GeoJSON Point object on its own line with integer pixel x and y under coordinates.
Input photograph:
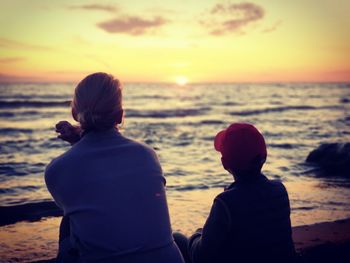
{"type": "Point", "coordinates": [112, 189]}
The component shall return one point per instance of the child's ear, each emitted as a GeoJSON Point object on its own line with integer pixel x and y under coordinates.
{"type": "Point", "coordinates": [224, 163]}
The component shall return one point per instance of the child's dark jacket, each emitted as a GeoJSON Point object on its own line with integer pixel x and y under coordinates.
{"type": "Point", "coordinates": [248, 222]}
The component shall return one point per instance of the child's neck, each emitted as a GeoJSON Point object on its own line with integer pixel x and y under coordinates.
{"type": "Point", "coordinates": [246, 176]}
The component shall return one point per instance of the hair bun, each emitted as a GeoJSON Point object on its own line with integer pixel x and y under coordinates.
{"type": "Point", "coordinates": [87, 120]}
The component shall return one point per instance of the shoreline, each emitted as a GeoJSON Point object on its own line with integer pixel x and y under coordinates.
{"type": "Point", "coordinates": [35, 238]}
{"type": "Point", "coordinates": [320, 242]}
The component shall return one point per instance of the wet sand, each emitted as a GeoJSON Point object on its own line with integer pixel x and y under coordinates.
{"type": "Point", "coordinates": [36, 238]}
{"type": "Point", "coordinates": [321, 242]}
{"type": "Point", "coordinates": [309, 236]}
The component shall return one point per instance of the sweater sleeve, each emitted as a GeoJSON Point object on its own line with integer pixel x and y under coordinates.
{"type": "Point", "coordinates": [206, 245]}
{"type": "Point", "coordinates": [51, 182]}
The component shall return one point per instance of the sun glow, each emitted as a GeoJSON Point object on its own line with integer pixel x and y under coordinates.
{"type": "Point", "coordinates": [181, 80]}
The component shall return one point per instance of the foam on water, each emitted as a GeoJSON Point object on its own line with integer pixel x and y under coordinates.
{"type": "Point", "coordinates": [33, 104]}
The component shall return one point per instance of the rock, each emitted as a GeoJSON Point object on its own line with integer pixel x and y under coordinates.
{"type": "Point", "coordinates": [28, 212]}
{"type": "Point", "coordinates": [344, 100]}
{"type": "Point", "coordinates": [332, 157]}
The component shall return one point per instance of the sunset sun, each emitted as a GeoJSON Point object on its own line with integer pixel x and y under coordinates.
{"type": "Point", "coordinates": [181, 80]}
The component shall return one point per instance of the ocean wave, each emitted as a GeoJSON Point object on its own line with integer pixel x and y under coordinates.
{"type": "Point", "coordinates": [23, 97]}
{"type": "Point", "coordinates": [11, 131]}
{"type": "Point", "coordinates": [143, 97]}
{"type": "Point", "coordinates": [31, 146]}
{"type": "Point", "coordinates": [166, 113]}
{"type": "Point", "coordinates": [212, 122]}
{"type": "Point", "coordinates": [188, 187]}
{"type": "Point", "coordinates": [282, 109]}
{"type": "Point", "coordinates": [282, 145]}
{"type": "Point", "coordinates": [7, 114]}
{"type": "Point", "coordinates": [21, 168]}
{"type": "Point", "coordinates": [33, 104]}
{"type": "Point", "coordinates": [26, 114]}
{"type": "Point", "coordinates": [230, 103]}
{"type": "Point", "coordinates": [17, 189]}
{"type": "Point", "coordinates": [303, 208]}
{"type": "Point", "coordinates": [208, 138]}
{"type": "Point", "coordinates": [28, 212]}
{"type": "Point", "coordinates": [176, 172]}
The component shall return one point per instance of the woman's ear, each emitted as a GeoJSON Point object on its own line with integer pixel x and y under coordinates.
{"type": "Point", "coordinates": [75, 114]}
{"type": "Point", "coordinates": [119, 116]}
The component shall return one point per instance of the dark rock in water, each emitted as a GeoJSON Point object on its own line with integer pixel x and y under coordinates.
{"type": "Point", "coordinates": [344, 100]}
{"type": "Point", "coordinates": [28, 212]}
{"type": "Point", "coordinates": [332, 157]}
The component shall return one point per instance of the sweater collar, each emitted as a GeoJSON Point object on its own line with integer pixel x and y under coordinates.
{"type": "Point", "coordinates": [100, 134]}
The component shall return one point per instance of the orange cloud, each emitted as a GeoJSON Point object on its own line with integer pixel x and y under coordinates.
{"type": "Point", "coordinates": [272, 28]}
{"type": "Point", "coordinates": [5, 78]}
{"type": "Point", "coordinates": [228, 18]}
{"type": "Point", "coordinates": [11, 60]}
{"type": "Point", "coordinates": [8, 43]}
{"type": "Point", "coordinates": [132, 25]}
{"type": "Point", "coordinates": [98, 7]}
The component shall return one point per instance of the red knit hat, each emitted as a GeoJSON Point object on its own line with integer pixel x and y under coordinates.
{"type": "Point", "coordinates": [241, 144]}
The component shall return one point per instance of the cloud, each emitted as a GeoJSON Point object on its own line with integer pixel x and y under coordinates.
{"type": "Point", "coordinates": [68, 72]}
{"type": "Point", "coordinates": [225, 18]}
{"type": "Point", "coordinates": [11, 60]}
{"type": "Point", "coordinates": [9, 43]}
{"type": "Point", "coordinates": [5, 78]}
{"type": "Point", "coordinates": [272, 28]}
{"type": "Point", "coordinates": [161, 10]}
{"type": "Point", "coordinates": [98, 7]}
{"type": "Point", "coordinates": [132, 25]}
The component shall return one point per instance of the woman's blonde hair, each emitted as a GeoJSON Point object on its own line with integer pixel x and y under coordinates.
{"type": "Point", "coordinates": [97, 102]}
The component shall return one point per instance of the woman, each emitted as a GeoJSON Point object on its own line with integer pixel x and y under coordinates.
{"type": "Point", "coordinates": [110, 188]}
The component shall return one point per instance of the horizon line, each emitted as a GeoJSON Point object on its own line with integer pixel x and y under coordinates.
{"type": "Point", "coordinates": [188, 84]}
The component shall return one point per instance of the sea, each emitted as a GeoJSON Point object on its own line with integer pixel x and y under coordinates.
{"type": "Point", "coordinates": [180, 123]}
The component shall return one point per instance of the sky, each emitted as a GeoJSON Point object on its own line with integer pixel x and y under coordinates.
{"type": "Point", "coordinates": [175, 41]}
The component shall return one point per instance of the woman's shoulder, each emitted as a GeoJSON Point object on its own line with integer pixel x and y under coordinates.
{"type": "Point", "coordinates": [141, 147]}
{"type": "Point", "coordinates": [143, 155]}
{"type": "Point", "coordinates": [51, 170]}
{"type": "Point", "coordinates": [59, 162]}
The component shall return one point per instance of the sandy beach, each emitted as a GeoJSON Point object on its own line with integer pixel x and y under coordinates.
{"type": "Point", "coordinates": [321, 242]}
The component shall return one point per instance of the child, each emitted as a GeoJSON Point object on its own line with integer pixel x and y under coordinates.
{"type": "Point", "coordinates": [250, 220]}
